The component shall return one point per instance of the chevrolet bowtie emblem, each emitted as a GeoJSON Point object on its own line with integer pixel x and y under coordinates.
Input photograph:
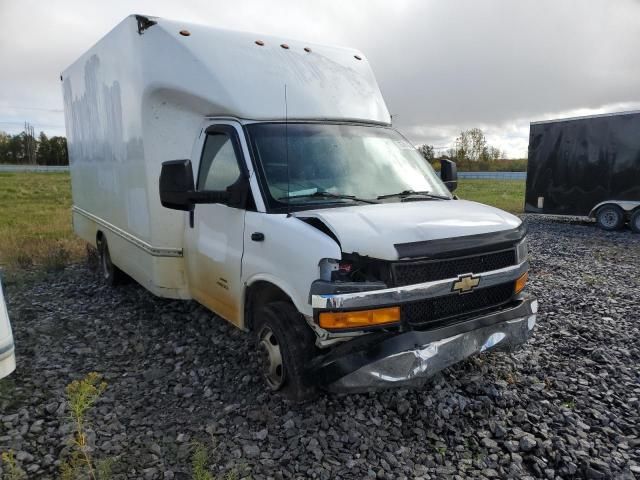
{"type": "Point", "coordinates": [465, 283]}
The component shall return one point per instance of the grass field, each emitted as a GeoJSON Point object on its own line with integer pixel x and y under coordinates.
{"type": "Point", "coordinates": [35, 218]}
{"type": "Point", "coordinates": [505, 194]}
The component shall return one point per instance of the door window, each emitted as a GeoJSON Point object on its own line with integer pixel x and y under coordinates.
{"type": "Point", "coordinates": [219, 165]}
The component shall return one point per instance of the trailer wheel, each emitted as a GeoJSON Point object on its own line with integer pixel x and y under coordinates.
{"type": "Point", "coordinates": [111, 274]}
{"type": "Point", "coordinates": [286, 345]}
{"type": "Point", "coordinates": [610, 217]}
{"type": "Point", "coordinates": [634, 223]}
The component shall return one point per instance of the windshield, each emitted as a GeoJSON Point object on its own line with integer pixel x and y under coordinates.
{"type": "Point", "coordinates": [328, 163]}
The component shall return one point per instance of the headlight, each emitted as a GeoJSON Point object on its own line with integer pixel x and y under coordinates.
{"type": "Point", "coordinates": [522, 250]}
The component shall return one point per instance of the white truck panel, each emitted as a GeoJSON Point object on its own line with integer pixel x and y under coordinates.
{"type": "Point", "coordinates": [7, 355]}
{"type": "Point", "coordinates": [274, 260]}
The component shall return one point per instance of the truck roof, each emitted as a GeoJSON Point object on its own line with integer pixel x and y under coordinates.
{"type": "Point", "coordinates": [584, 117]}
{"type": "Point", "coordinates": [229, 73]}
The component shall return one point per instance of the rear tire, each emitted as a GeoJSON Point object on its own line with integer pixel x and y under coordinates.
{"type": "Point", "coordinates": [610, 217]}
{"type": "Point", "coordinates": [634, 223]}
{"type": "Point", "coordinates": [111, 274]}
{"type": "Point", "coordinates": [286, 345]}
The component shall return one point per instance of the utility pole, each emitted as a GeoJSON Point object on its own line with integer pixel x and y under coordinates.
{"type": "Point", "coordinates": [30, 143]}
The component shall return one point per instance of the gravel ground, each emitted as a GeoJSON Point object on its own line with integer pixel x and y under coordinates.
{"type": "Point", "coordinates": [566, 406]}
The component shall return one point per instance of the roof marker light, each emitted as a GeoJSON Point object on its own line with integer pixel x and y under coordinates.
{"type": "Point", "coordinates": [260, 42]}
{"type": "Point", "coordinates": [285, 46]}
{"type": "Point", "coordinates": [185, 33]}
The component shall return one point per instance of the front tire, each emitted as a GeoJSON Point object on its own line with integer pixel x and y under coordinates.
{"type": "Point", "coordinates": [111, 274]}
{"type": "Point", "coordinates": [634, 223]}
{"type": "Point", "coordinates": [610, 217]}
{"type": "Point", "coordinates": [286, 346]}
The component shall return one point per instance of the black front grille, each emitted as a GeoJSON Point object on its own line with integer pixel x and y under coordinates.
{"type": "Point", "coordinates": [432, 311]}
{"type": "Point", "coordinates": [409, 273]}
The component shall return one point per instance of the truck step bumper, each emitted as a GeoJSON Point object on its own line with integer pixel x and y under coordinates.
{"type": "Point", "coordinates": [409, 359]}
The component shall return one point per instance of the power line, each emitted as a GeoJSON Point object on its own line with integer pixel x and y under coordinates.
{"type": "Point", "coordinates": [35, 123]}
{"type": "Point", "coordinates": [13, 107]}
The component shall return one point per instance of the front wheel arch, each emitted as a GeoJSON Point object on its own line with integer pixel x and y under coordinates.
{"type": "Point", "coordinates": [259, 294]}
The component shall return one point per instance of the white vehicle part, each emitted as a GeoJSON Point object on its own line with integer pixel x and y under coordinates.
{"type": "Point", "coordinates": [7, 350]}
{"type": "Point", "coordinates": [289, 256]}
{"type": "Point", "coordinates": [626, 205]}
{"type": "Point", "coordinates": [213, 247]}
{"type": "Point", "coordinates": [373, 230]}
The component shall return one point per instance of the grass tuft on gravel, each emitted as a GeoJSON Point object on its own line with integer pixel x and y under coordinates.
{"type": "Point", "coordinates": [81, 397]}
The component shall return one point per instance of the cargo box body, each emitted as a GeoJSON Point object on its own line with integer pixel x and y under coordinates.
{"type": "Point", "coordinates": [576, 164]}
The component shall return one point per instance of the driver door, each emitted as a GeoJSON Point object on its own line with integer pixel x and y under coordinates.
{"type": "Point", "coordinates": [214, 237]}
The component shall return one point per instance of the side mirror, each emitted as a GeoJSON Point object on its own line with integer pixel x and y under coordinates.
{"type": "Point", "coordinates": [449, 174]}
{"type": "Point", "coordinates": [177, 188]}
{"type": "Point", "coordinates": [176, 185]}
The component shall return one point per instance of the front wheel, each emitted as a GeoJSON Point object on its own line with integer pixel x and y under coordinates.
{"type": "Point", "coordinates": [634, 223]}
{"type": "Point", "coordinates": [610, 217]}
{"type": "Point", "coordinates": [286, 345]}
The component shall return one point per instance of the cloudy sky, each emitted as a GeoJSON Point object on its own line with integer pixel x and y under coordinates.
{"type": "Point", "coordinates": [442, 65]}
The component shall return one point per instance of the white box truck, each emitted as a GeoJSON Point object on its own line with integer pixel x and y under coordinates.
{"type": "Point", "coordinates": [262, 177]}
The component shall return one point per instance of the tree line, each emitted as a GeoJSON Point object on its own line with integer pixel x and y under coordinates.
{"type": "Point", "coordinates": [472, 153]}
{"type": "Point", "coordinates": [26, 149]}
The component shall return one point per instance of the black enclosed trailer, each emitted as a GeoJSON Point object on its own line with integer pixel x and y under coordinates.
{"type": "Point", "coordinates": [586, 166]}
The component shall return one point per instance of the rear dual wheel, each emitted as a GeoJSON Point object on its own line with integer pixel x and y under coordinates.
{"type": "Point", "coordinates": [111, 274]}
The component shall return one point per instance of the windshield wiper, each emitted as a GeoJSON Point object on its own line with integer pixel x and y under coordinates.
{"type": "Point", "coordinates": [409, 193]}
{"type": "Point", "coordinates": [323, 194]}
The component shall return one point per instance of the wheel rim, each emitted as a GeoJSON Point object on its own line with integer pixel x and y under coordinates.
{"type": "Point", "coordinates": [272, 366]}
{"type": "Point", "coordinates": [609, 218]}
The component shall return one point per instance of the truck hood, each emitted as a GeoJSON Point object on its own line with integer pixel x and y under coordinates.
{"type": "Point", "coordinates": [374, 230]}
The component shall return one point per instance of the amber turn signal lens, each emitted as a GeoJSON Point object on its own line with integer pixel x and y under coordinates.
{"type": "Point", "coordinates": [360, 318]}
{"type": "Point", "coordinates": [521, 282]}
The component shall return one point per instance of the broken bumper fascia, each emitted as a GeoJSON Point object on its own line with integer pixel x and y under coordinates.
{"type": "Point", "coordinates": [386, 360]}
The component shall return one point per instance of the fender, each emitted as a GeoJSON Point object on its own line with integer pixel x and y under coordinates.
{"type": "Point", "coordinates": [626, 205]}
{"type": "Point", "coordinates": [287, 248]}
{"type": "Point", "coordinates": [275, 281]}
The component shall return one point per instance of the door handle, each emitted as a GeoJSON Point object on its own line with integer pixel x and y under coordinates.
{"type": "Point", "coordinates": [257, 236]}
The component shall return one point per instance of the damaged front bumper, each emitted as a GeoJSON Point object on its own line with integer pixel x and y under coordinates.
{"type": "Point", "coordinates": [390, 359]}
